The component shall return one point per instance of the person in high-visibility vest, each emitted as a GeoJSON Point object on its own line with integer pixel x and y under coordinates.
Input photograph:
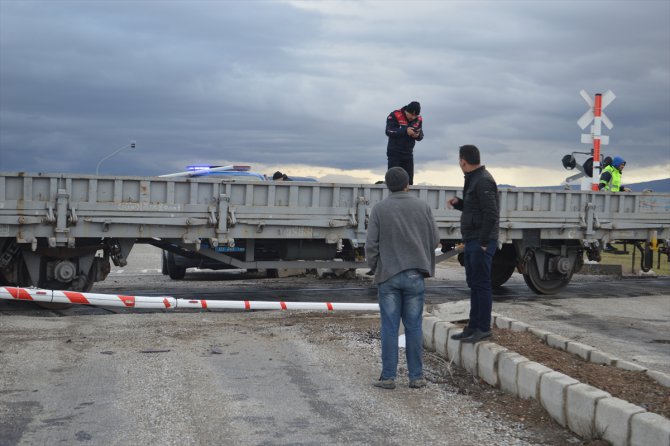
{"type": "Point", "coordinates": [610, 179]}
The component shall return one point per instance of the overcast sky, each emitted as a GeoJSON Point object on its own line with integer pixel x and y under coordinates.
{"type": "Point", "coordinates": [305, 87]}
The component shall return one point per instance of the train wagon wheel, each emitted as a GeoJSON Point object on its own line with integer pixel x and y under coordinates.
{"type": "Point", "coordinates": [504, 264]}
{"type": "Point", "coordinates": [539, 285]}
{"type": "Point", "coordinates": [175, 271]}
{"type": "Point", "coordinates": [164, 268]}
{"type": "Point", "coordinates": [25, 280]}
{"type": "Point", "coordinates": [72, 286]}
{"type": "Point", "coordinates": [500, 273]}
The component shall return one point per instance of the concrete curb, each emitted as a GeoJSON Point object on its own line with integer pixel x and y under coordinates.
{"type": "Point", "coordinates": [585, 410]}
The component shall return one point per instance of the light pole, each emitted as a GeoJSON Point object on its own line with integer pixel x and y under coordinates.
{"type": "Point", "coordinates": [131, 145]}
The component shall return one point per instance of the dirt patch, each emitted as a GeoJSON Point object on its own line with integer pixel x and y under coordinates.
{"type": "Point", "coordinates": [451, 379]}
{"type": "Point", "coordinates": [526, 412]}
{"type": "Point", "coordinates": [634, 387]}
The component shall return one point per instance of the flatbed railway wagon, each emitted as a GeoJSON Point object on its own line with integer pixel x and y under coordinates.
{"type": "Point", "coordinates": [60, 231]}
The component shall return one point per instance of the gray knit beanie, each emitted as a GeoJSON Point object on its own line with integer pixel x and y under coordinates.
{"type": "Point", "coordinates": [396, 179]}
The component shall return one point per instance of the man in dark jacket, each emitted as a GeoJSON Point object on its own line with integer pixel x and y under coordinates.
{"type": "Point", "coordinates": [479, 229]}
{"type": "Point", "coordinates": [404, 129]}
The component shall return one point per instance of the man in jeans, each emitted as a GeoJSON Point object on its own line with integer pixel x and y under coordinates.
{"type": "Point", "coordinates": [479, 228]}
{"type": "Point", "coordinates": [400, 250]}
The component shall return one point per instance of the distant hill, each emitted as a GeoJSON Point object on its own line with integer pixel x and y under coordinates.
{"type": "Point", "coordinates": [656, 186]}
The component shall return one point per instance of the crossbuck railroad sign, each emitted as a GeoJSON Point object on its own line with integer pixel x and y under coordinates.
{"type": "Point", "coordinates": [595, 114]}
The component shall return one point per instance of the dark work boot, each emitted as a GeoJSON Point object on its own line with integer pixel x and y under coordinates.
{"type": "Point", "coordinates": [384, 383]}
{"type": "Point", "coordinates": [467, 331]}
{"type": "Point", "coordinates": [477, 336]}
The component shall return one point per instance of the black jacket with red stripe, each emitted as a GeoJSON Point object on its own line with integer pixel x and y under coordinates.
{"type": "Point", "coordinates": [400, 143]}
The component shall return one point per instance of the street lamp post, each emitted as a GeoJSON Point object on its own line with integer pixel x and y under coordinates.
{"type": "Point", "coordinates": [131, 145]}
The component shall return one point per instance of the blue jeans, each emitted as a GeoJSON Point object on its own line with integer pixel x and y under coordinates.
{"type": "Point", "coordinates": [478, 276]}
{"type": "Point", "coordinates": [399, 297]}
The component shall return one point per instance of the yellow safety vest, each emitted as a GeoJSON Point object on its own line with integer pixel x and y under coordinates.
{"type": "Point", "coordinates": [614, 185]}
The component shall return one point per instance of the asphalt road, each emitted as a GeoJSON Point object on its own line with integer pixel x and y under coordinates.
{"type": "Point", "coordinates": [626, 316]}
{"type": "Point", "coordinates": [93, 376]}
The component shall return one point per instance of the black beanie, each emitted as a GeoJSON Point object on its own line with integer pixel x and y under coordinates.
{"type": "Point", "coordinates": [396, 179]}
{"type": "Point", "coordinates": [413, 107]}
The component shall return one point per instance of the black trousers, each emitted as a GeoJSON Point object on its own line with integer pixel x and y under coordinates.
{"type": "Point", "coordinates": [405, 163]}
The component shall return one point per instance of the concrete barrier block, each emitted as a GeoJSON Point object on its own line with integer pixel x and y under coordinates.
{"type": "Point", "coordinates": [519, 326]}
{"type": "Point", "coordinates": [553, 387]}
{"type": "Point", "coordinates": [469, 357]}
{"type": "Point", "coordinates": [427, 327]}
{"type": "Point", "coordinates": [290, 272]}
{"type": "Point", "coordinates": [627, 365]}
{"type": "Point", "coordinates": [613, 420]}
{"type": "Point", "coordinates": [452, 311]}
{"type": "Point", "coordinates": [649, 428]}
{"type": "Point", "coordinates": [557, 341]}
{"type": "Point", "coordinates": [503, 322]}
{"type": "Point", "coordinates": [660, 377]}
{"type": "Point", "coordinates": [454, 347]}
{"type": "Point", "coordinates": [487, 362]}
{"type": "Point", "coordinates": [579, 349]}
{"type": "Point", "coordinates": [600, 357]}
{"type": "Point", "coordinates": [508, 365]}
{"type": "Point", "coordinates": [528, 379]}
{"type": "Point", "coordinates": [600, 269]}
{"type": "Point", "coordinates": [580, 403]}
{"type": "Point", "coordinates": [542, 334]}
{"type": "Point", "coordinates": [441, 336]}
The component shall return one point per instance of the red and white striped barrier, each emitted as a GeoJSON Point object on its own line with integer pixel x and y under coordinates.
{"type": "Point", "coordinates": [167, 302]}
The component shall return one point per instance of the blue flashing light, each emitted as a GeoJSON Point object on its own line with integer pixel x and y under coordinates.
{"type": "Point", "coordinates": [196, 167]}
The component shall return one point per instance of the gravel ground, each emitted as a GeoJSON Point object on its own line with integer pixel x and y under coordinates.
{"type": "Point", "coordinates": [228, 378]}
{"type": "Point", "coordinates": [142, 377]}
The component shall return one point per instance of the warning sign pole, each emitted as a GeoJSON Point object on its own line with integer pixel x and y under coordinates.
{"type": "Point", "coordinates": [597, 127]}
{"type": "Point", "coordinates": [596, 138]}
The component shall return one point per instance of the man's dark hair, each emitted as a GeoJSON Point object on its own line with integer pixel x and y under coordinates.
{"type": "Point", "coordinates": [277, 175]}
{"type": "Point", "coordinates": [413, 107]}
{"type": "Point", "coordinates": [470, 154]}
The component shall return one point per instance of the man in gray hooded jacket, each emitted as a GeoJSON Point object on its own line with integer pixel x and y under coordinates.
{"type": "Point", "coordinates": [400, 249]}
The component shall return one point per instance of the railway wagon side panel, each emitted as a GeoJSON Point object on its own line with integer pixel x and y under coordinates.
{"type": "Point", "coordinates": [61, 217]}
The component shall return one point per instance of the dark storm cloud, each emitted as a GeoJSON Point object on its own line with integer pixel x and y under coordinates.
{"type": "Point", "coordinates": [80, 78]}
{"type": "Point", "coordinates": [312, 82]}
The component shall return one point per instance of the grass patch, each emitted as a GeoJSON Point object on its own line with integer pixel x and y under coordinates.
{"type": "Point", "coordinates": [626, 261]}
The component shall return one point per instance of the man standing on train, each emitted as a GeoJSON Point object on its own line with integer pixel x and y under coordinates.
{"type": "Point", "coordinates": [404, 128]}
